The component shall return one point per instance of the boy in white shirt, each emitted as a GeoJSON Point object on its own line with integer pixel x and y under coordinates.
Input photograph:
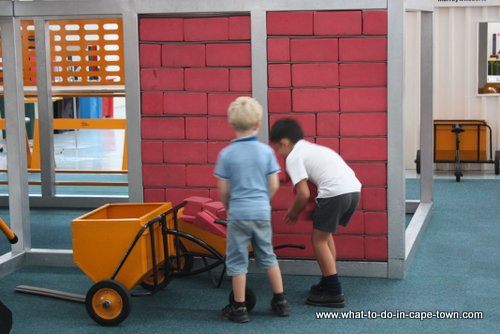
{"type": "Point", "coordinates": [337, 200]}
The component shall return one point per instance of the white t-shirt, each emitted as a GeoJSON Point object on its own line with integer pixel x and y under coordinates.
{"type": "Point", "coordinates": [323, 167]}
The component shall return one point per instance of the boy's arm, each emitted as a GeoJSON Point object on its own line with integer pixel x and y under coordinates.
{"type": "Point", "coordinates": [301, 198]}
{"type": "Point", "coordinates": [223, 189]}
{"type": "Point", "coordinates": [273, 181]}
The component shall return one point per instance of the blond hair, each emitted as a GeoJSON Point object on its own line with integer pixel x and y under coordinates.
{"type": "Point", "coordinates": [244, 113]}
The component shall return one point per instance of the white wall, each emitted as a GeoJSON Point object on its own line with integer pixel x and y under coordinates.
{"type": "Point", "coordinates": [455, 73]}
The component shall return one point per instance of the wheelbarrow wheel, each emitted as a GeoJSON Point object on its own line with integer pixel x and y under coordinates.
{"type": "Point", "coordinates": [250, 299]}
{"type": "Point", "coordinates": [108, 303]}
{"type": "Point", "coordinates": [417, 161]}
{"type": "Point", "coordinates": [184, 265]}
{"type": "Point", "coordinates": [148, 281]}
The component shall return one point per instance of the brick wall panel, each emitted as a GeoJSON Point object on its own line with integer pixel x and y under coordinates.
{"type": "Point", "coordinates": [152, 103]}
{"type": "Point", "coordinates": [164, 175]}
{"type": "Point", "coordinates": [278, 49]}
{"type": "Point", "coordinates": [200, 176]}
{"type": "Point", "coordinates": [218, 103]}
{"type": "Point", "coordinates": [234, 54]}
{"type": "Point", "coordinates": [337, 23]}
{"type": "Point", "coordinates": [349, 247]}
{"type": "Point", "coordinates": [161, 29]}
{"type": "Point", "coordinates": [356, 225]}
{"type": "Point", "coordinates": [162, 79]}
{"type": "Point", "coordinates": [360, 124]}
{"type": "Point", "coordinates": [356, 149]}
{"type": "Point", "coordinates": [375, 22]}
{"type": "Point", "coordinates": [183, 55]}
{"type": "Point", "coordinates": [214, 148]}
{"type": "Point", "coordinates": [177, 195]}
{"type": "Point", "coordinates": [369, 74]}
{"type": "Point", "coordinates": [363, 49]}
{"type": "Point", "coordinates": [315, 75]}
{"type": "Point", "coordinates": [184, 152]}
{"type": "Point", "coordinates": [315, 100]}
{"type": "Point", "coordinates": [376, 248]}
{"type": "Point", "coordinates": [207, 79]}
{"type": "Point", "coordinates": [219, 129]}
{"type": "Point", "coordinates": [154, 195]}
{"type": "Point", "coordinates": [206, 29]}
{"type": "Point", "coordinates": [290, 23]}
{"type": "Point", "coordinates": [279, 101]}
{"type": "Point", "coordinates": [239, 28]}
{"type": "Point", "coordinates": [185, 103]}
{"type": "Point", "coordinates": [152, 151]}
{"type": "Point", "coordinates": [279, 75]}
{"type": "Point", "coordinates": [317, 49]}
{"type": "Point", "coordinates": [327, 124]}
{"type": "Point", "coordinates": [240, 80]}
{"type": "Point", "coordinates": [150, 55]}
{"type": "Point", "coordinates": [374, 199]}
{"type": "Point", "coordinates": [376, 222]}
{"type": "Point", "coordinates": [370, 174]}
{"type": "Point", "coordinates": [363, 99]}
{"type": "Point", "coordinates": [162, 128]}
{"type": "Point", "coordinates": [196, 128]}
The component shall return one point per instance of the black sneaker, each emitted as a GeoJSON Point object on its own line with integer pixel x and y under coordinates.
{"type": "Point", "coordinates": [280, 308]}
{"type": "Point", "coordinates": [325, 298]}
{"type": "Point", "coordinates": [236, 314]}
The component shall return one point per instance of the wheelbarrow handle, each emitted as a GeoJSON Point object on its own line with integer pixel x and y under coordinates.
{"type": "Point", "coordinates": [8, 232]}
{"type": "Point", "coordinates": [221, 222]}
{"type": "Point", "coordinates": [297, 246]}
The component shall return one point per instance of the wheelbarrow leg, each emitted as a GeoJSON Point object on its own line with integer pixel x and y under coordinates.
{"type": "Point", "coordinates": [457, 129]}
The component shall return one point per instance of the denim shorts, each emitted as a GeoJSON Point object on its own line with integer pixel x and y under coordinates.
{"type": "Point", "coordinates": [240, 233]}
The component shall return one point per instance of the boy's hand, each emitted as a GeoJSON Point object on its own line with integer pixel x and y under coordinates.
{"type": "Point", "coordinates": [290, 218]}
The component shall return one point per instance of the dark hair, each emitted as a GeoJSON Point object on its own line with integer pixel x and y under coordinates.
{"type": "Point", "coordinates": [286, 128]}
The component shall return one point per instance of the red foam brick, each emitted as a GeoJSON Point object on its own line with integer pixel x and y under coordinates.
{"type": "Point", "coordinates": [240, 80]}
{"type": "Point", "coordinates": [207, 79]}
{"type": "Point", "coordinates": [161, 29]}
{"type": "Point", "coordinates": [219, 129]}
{"type": "Point", "coordinates": [376, 248]}
{"type": "Point", "coordinates": [279, 226]}
{"type": "Point", "coordinates": [315, 75]}
{"type": "Point", "coordinates": [218, 103]}
{"type": "Point", "coordinates": [337, 23]}
{"type": "Point", "coordinates": [214, 148]}
{"type": "Point", "coordinates": [162, 128]}
{"type": "Point", "coordinates": [363, 149]}
{"type": "Point", "coordinates": [152, 151]}
{"type": "Point", "coordinates": [194, 204]}
{"type": "Point", "coordinates": [152, 103]}
{"type": "Point", "coordinates": [183, 55]}
{"type": "Point", "coordinates": [317, 49]}
{"type": "Point", "coordinates": [374, 198]}
{"type": "Point", "coordinates": [363, 99]}
{"type": "Point", "coordinates": [162, 79]}
{"type": "Point", "coordinates": [375, 22]}
{"type": "Point", "coordinates": [355, 226]}
{"type": "Point", "coordinates": [283, 198]}
{"type": "Point", "coordinates": [213, 207]}
{"type": "Point", "coordinates": [375, 222]}
{"type": "Point", "coordinates": [279, 101]}
{"type": "Point", "coordinates": [298, 239]}
{"type": "Point", "coordinates": [239, 28]}
{"type": "Point", "coordinates": [177, 195]}
{"type": "Point", "coordinates": [200, 176]}
{"type": "Point", "coordinates": [278, 49]}
{"type": "Point", "coordinates": [164, 175]}
{"type": "Point", "coordinates": [150, 55]}
{"type": "Point", "coordinates": [196, 128]}
{"type": "Point", "coordinates": [360, 124]}
{"type": "Point", "coordinates": [349, 247]}
{"type": "Point", "coordinates": [234, 54]}
{"type": "Point", "coordinates": [370, 174]}
{"type": "Point", "coordinates": [362, 49]}
{"type": "Point", "coordinates": [327, 124]}
{"type": "Point", "coordinates": [184, 152]}
{"type": "Point", "coordinates": [154, 195]}
{"type": "Point", "coordinates": [289, 23]}
{"type": "Point", "coordinates": [306, 121]}
{"type": "Point", "coordinates": [370, 74]}
{"type": "Point", "coordinates": [279, 75]}
{"type": "Point", "coordinates": [205, 220]}
{"type": "Point", "coordinates": [332, 143]}
{"type": "Point", "coordinates": [206, 29]}
{"type": "Point", "coordinates": [315, 100]}
{"type": "Point", "coordinates": [185, 103]}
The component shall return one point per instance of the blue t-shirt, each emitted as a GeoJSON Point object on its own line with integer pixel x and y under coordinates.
{"type": "Point", "coordinates": [246, 164]}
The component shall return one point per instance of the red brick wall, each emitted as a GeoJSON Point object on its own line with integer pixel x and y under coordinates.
{"type": "Point", "coordinates": [327, 69]}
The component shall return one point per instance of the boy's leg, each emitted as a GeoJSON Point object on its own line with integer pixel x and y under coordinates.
{"type": "Point", "coordinates": [274, 276]}
{"type": "Point", "coordinates": [322, 245]}
{"type": "Point", "coordinates": [239, 283]}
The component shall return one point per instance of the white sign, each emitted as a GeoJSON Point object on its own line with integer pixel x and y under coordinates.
{"type": "Point", "coordinates": [466, 3]}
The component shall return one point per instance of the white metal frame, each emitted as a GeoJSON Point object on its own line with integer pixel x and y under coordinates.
{"type": "Point", "coordinates": [401, 241]}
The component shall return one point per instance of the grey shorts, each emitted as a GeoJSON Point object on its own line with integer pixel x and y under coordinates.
{"type": "Point", "coordinates": [334, 211]}
{"type": "Point", "coordinates": [240, 233]}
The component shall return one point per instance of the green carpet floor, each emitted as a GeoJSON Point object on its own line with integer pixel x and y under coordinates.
{"type": "Point", "coordinates": [456, 268]}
